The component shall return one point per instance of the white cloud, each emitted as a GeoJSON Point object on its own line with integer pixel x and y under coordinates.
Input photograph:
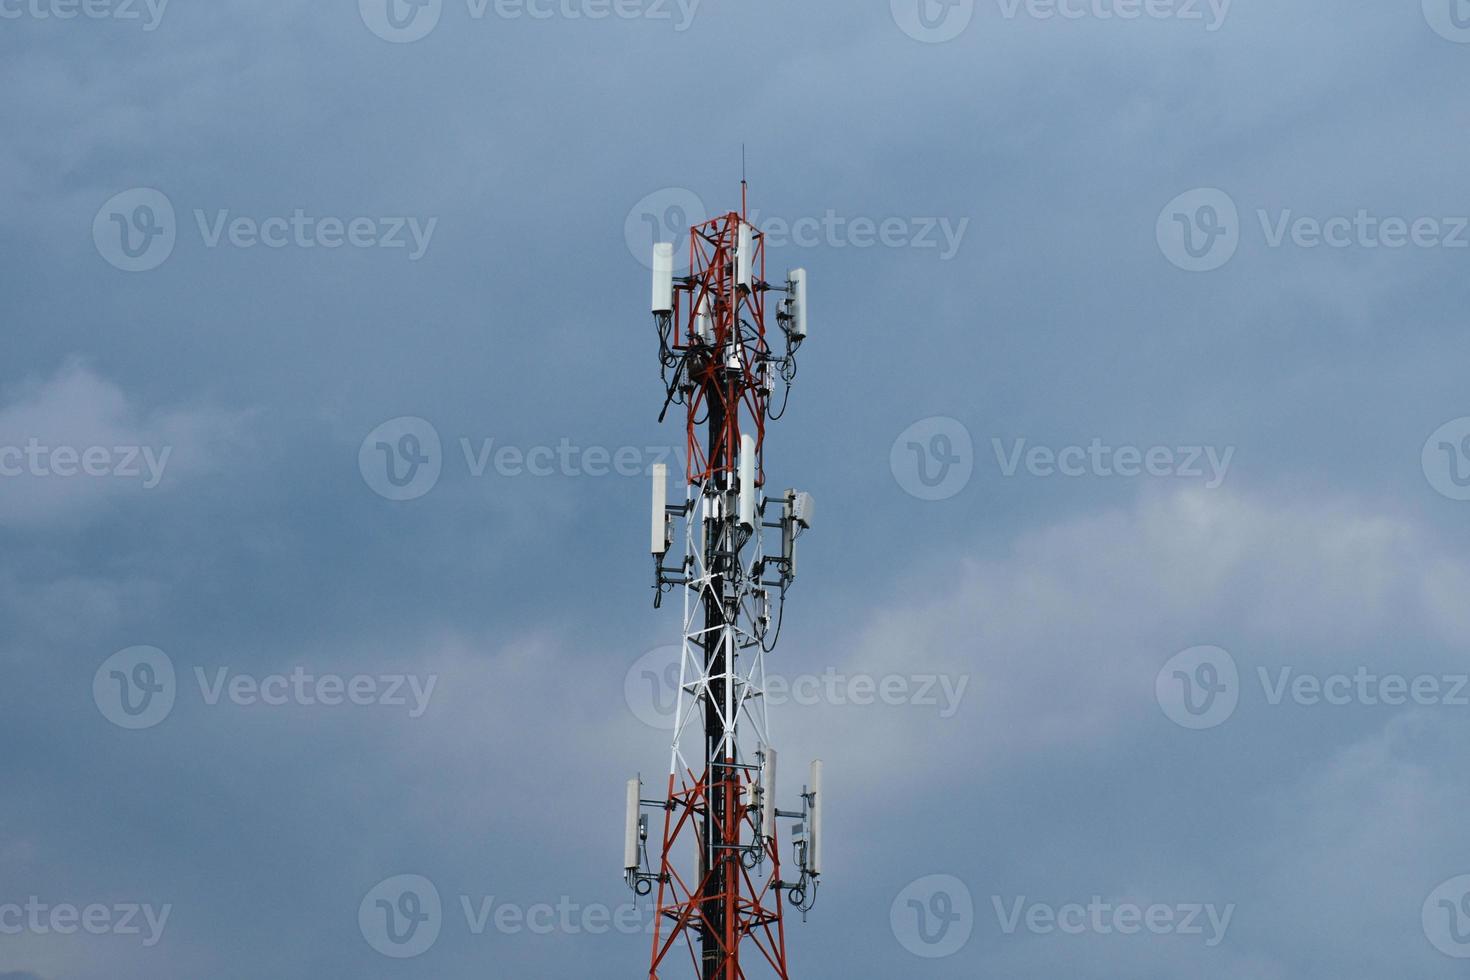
{"type": "Point", "coordinates": [73, 443]}
{"type": "Point", "coordinates": [1063, 637]}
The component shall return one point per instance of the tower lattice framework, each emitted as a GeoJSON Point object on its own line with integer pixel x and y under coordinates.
{"type": "Point", "coordinates": [721, 895]}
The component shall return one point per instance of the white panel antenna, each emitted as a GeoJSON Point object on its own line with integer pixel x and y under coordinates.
{"type": "Point", "coordinates": [662, 537]}
{"type": "Point", "coordinates": [814, 832]}
{"type": "Point", "coordinates": [704, 323]}
{"type": "Point", "coordinates": [798, 304]}
{"type": "Point", "coordinates": [747, 482]}
{"type": "Point", "coordinates": [663, 277]}
{"type": "Point", "coordinates": [803, 508]}
{"type": "Point", "coordinates": [745, 257]}
{"type": "Point", "coordinates": [631, 859]}
{"type": "Point", "coordinates": [768, 794]}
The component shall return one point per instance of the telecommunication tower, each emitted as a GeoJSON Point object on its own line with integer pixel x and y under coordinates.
{"type": "Point", "coordinates": [718, 873]}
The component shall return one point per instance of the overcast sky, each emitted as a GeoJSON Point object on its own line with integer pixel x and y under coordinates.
{"type": "Point", "coordinates": [1134, 409]}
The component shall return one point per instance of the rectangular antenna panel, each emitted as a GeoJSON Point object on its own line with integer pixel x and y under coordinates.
{"type": "Point", "coordinates": [798, 304]}
{"type": "Point", "coordinates": [814, 832]}
{"type": "Point", "coordinates": [768, 794]}
{"type": "Point", "coordinates": [660, 540]}
{"type": "Point", "coordinates": [747, 481]}
{"type": "Point", "coordinates": [663, 277]}
{"type": "Point", "coordinates": [745, 257]}
{"type": "Point", "coordinates": [631, 861]}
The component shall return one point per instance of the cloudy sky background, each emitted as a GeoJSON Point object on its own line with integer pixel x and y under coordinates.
{"type": "Point", "coordinates": [1060, 319]}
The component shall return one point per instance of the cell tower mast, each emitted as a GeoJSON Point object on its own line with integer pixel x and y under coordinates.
{"type": "Point", "coordinates": [718, 874]}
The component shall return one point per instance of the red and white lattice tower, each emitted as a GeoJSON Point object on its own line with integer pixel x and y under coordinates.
{"type": "Point", "coordinates": [721, 892]}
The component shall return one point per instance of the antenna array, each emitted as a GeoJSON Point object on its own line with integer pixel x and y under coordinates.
{"type": "Point", "coordinates": [719, 877]}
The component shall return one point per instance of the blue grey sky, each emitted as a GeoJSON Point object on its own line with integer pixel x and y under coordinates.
{"type": "Point", "coordinates": [1134, 409]}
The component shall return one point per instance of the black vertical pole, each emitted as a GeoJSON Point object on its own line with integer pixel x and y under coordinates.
{"type": "Point", "coordinates": [712, 926]}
